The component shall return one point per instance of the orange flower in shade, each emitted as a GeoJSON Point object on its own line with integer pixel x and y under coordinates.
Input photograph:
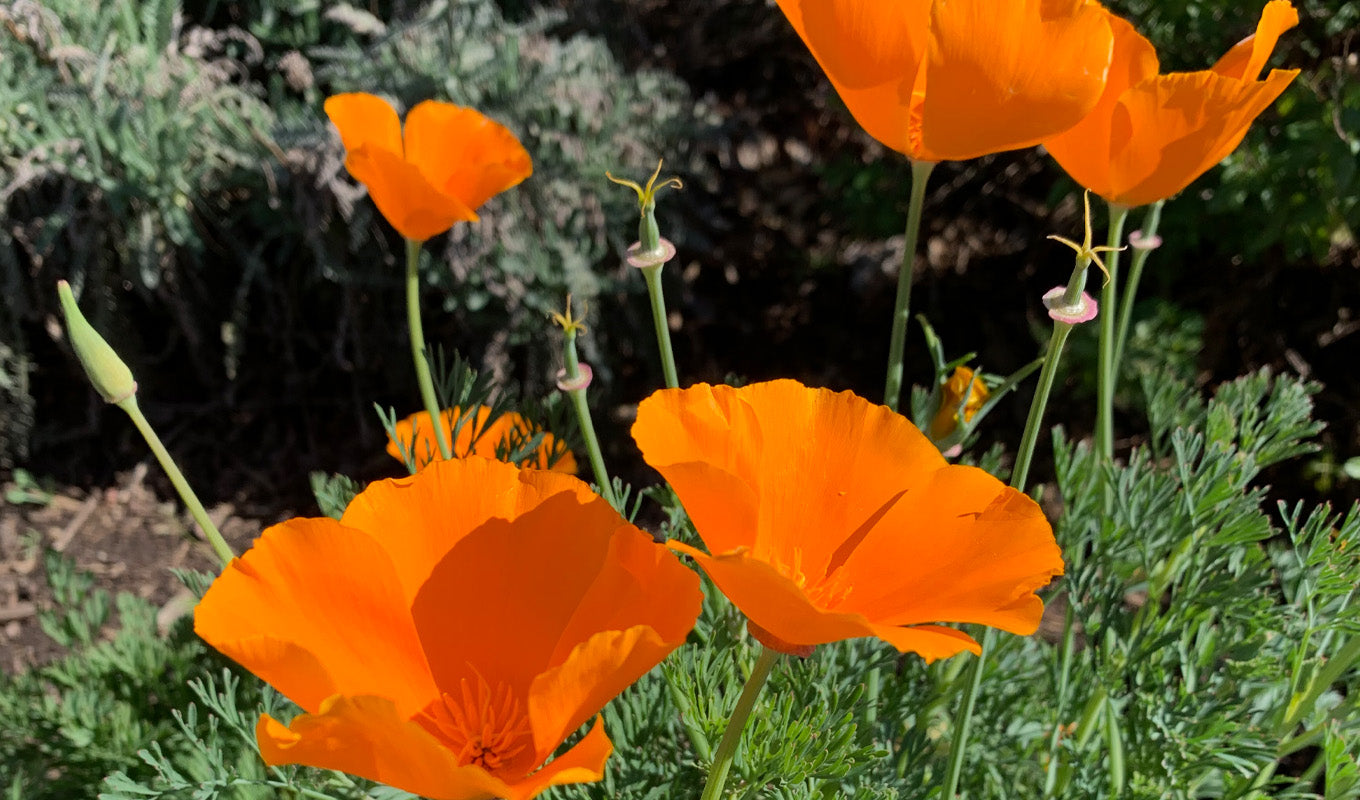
{"type": "Point", "coordinates": [476, 437]}
{"type": "Point", "coordinates": [954, 79]}
{"type": "Point", "coordinates": [452, 629]}
{"type": "Point", "coordinates": [827, 517]}
{"type": "Point", "coordinates": [959, 386]}
{"type": "Point", "coordinates": [447, 162]}
{"type": "Point", "coordinates": [1151, 135]}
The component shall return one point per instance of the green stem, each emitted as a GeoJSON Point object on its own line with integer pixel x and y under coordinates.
{"type": "Point", "coordinates": [663, 330]}
{"type": "Point", "coordinates": [892, 395]}
{"type": "Point", "coordinates": [1140, 257]}
{"type": "Point", "coordinates": [578, 401]}
{"type": "Point", "coordinates": [417, 333]}
{"type": "Point", "coordinates": [1064, 676]}
{"type": "Point", "coordinates": [727, 748]}
{"type": "Point", "coordinates": [186, 493]}
{"type": "Point", "coordinates": [1107, 372]}
{"type": "Point", "coordinates": [963, 720]}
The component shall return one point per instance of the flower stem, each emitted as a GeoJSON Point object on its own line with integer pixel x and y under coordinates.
{"type": "Point", "coordinates": [964, 718]}
{"type": "Point", "coordinates": [892, 394]}
{"type": "Point", "coordinates": [1140, 257]}
{"type": "Point", "coordinates": [572, 365]}
{"type": "Point", "coordinates": [186, 492]}
{"type": "Point", "coordinates": [727, 748]}
{"type": "Point", "coordinates": [417, 332]}
{"type": "Point", "coordinates": [663, 331]}
{"type": "Point", "coordinates": [1108, 371]}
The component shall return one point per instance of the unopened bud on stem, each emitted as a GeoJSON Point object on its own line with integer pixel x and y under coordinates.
{"type": "Point", "coordinates": [110, 376]}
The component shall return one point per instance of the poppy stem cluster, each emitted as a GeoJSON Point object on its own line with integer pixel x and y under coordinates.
{"type": "Point", "coordinates": [1143, 242]}
{"type": "Point", "coordinates": [419, 354]}
{"type": "Point", "coordinates": [649, 254]}
{"type": "Point", "coordinates": [574, 378]}
{"type": "Point", "coordinates": [1108, 369]}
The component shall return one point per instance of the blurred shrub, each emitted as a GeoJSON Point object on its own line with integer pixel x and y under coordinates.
{"type": "Point", "coordinates": [175, 161]}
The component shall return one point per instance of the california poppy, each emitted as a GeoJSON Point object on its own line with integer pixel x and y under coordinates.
{"type": "Point", "coordinates": [476, 437]}
{"type": "Point", "coordinates": [961, 384]}
{"type": "Point", "coordinates": [944, 80]}
{"type": "Point", "coordinates": [1151, 135]}
{"type": "Point", "coordinates": [827, 517]}
{"type": "Point", "coordinates": [452, 629]}
{"type": "Point", "coordinates": [447, 162]}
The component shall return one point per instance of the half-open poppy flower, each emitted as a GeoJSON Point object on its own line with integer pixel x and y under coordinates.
{"type": "Point", "coordinates": [954, 79]}
{"type": "Point", "coordinates": [1151, 135]}
{"type": "Point", "coordinates": [452, 629]}
{"type": "Point", "coordinates": [961, 384]}
{"type": "Point", "coordinates": [827, 517]}
{"type": "Point", "coordinates": [477, 437]}
{"type": "Point", "coordinates": [448, 161]}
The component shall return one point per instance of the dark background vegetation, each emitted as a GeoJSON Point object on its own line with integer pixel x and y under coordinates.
{"type": "Point", "coordinates": [173, 162]}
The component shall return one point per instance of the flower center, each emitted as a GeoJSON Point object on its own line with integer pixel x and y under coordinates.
{"type": "Point", "coordinates": [824, 591]}
{"type": "Point", "coordinates": [483, 725]}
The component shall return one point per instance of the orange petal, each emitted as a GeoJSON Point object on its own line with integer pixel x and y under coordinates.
{"type": "Point", "coordinates": [871, 52]}
{"type": "Point", "coordinates": [583, 763]}
{"type": "Point", "coordinates": [406, 199]}
{"type": "Point", "coordinates": [365, 120]}
{"type": "Point", "coordinates": [961, 548]}
{"type": "Point", "coordinates": [1084, 150]}
{"type": "Point", "coordinates": [303, 610]}
{"type": "Point", "coordinates": [789, 472]}
{"type": "Point", "coordinates": [1248, 57]}
{"type": "Point", "coordinates": [417, 519]}
{"type": "Point", "coordinates": [475, 437]}
{"type": "Point", "coordinates": [510, 619]}
{"type": "Point", "coordinates": [930, 642]}
{"type": "Point", "coordinates": [1001, 76]}
{"type": "Point", "coordinates": [639, 609]}
{"type": "Point", "coordinates": [463, 153]}
{"type": "Point", "coordinates": [1172, 129]}
{"type": "Point", "coordinates": [366, 736]}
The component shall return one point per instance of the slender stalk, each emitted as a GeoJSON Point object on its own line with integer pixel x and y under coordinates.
{"type": "Point", "coordinates": [1064, 675]}
{"type": "Point", "coordinates": [1107, 371]}
{"type": "Point", "coordinates": [572, 364]}
{"type": "Point", "coordinates": [727, 748]}
{"type": "Point", "coordinates": [417, 332]}
{"type": "Point", "coordinates": [186, 492]}
{"type": "Point", "coordinates": [1140, 257]}
{"type": "Point", "coordinates": [964, 718]}
{"type": "Point", "coordinates": [892, 394]}
{"type": "Point", "coordinates": [663, 330]}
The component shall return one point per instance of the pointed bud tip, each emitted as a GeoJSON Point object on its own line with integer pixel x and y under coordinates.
{"type": "Point", "coordinates": [106, 371]}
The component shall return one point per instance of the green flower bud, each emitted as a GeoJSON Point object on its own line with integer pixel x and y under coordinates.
{"type": "Point", "coordinates": [110, 376]}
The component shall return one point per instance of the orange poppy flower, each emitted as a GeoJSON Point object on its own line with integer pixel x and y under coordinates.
{"type": "Point", "coordinates": [448, 161]}
{"type": "Point", "coordinates": [476, 437]}
{"type": "Point", "coordinates": [452, 629]}
{"type": "Point", "coordinates": [948, 80]}
{"type": "Point", "coordinates": [827, 517]}
{"type": "Point", "coordinates": [959, 385]}
{"type": "Point", "coordinates": [1151, 135]}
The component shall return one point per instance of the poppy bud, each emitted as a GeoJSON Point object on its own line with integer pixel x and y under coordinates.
{"type": "Point", "coordinates": [110, 376]}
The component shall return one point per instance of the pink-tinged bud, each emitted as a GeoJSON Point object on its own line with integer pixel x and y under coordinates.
{"type": "Point", "coordinates": [641, 259]}
{"type": "Point", "coordinates": [1140, 242]}
{"type": "Point", "coordinates": [1084, 310]}
{"type": "Point", "coordinates": [581, 381]}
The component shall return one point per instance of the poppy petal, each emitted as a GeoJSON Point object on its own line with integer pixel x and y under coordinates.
{"type": "Point", "coordinates": [463, 153]}
{"type": "Point", "coordinates": [514, 618]}
{"type": "Point", "coordinates": [871, 52]}
{"type": "Point", "coordinates": [1170, 130]}
{"type": "Point", "coordinates": [635, 613]}
{"type": "Point", "coordinates": [930, 642]}
{"type": "Point", "coordinates": [1084, 150]}
{"type": "Point", "coordinates": [1001, 76]}
{"type": "Point", "coordinates": [365, 120]}
{"type": "Point", "coordinates": [405, 197]}
{"type": "Point", "coordinates": [302, 609]}
{"type": "Point", "coordinates": [745, 486]}
{"type": "Point", "coordinates": [365, 736]}
{"type": "Point", "coordinates": [1248, 57]}
{"type": "Point", "coordinates": [583, 763]}
{"type": "Point", "coordinates": [417, 521]}
{"type": "Point", "coordinates": [960, 548]}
